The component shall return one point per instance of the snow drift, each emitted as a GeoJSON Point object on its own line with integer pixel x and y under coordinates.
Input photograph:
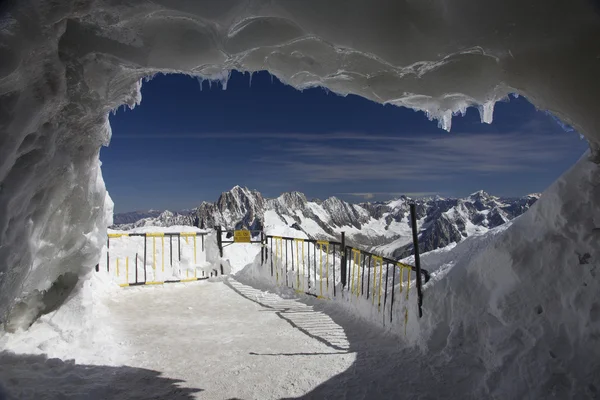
{"type": "Point", "coordinates": [516, 309]}
{"type": "Point", "coordinates": [65, 65]}
{"type": "Point", "coordinates": [522, 301]}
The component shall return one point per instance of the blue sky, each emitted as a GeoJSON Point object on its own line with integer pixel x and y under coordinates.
{"type": "Point", "coordinates": [183, 145]}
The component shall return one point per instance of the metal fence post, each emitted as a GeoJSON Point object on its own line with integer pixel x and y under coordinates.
{"type": "Point", "coordinates": [145, 277]}
{"type": "Point", "coordinates": [136, 267]}
{"type": "Point", "coordinates": [413, 220]}
{"type": "Point", "coordinates": [271, 239]}
{"type": "Point", "coordinates": [262, 250]}
{"type": "Point", "coordinates": [220, 244]}
{"type": "Point", "coordinates": [219, 240]}
{"type": "Point", "coordinates": [343, 260]}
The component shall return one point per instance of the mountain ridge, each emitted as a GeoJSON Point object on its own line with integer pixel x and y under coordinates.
{"type": "Point", "coordinates": [383, 227]}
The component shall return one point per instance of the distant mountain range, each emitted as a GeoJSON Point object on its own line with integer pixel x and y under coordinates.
{"type": "Point", "coordinates": [382, 227]}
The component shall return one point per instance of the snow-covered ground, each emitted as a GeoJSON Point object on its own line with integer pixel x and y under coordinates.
{"type": "Point", "coordinates": [513, 313]}
{"type": "Point", "coordinates": [516, 309]}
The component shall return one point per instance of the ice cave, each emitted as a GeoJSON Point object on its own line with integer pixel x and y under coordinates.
{"type": "Point", "coordinates": [64, 65]}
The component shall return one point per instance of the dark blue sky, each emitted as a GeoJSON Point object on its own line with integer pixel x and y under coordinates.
{"type": "Point", "coordinates": [183, 145]}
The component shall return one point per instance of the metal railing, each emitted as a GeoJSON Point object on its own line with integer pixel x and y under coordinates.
{"type": "Point", "coordinates": [303, 264]}
{"type": "Point", "coordinates": [156, 268]}
{"type": "Point", "coordinates": [309, 266]}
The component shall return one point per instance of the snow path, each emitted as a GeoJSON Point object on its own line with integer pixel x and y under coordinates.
{"type": "Point", "coordinates": [230, 340]}
{"type": "Point", "coordinates": [227, 340]}
{"type": "Point", "coordinates": [212, 337]}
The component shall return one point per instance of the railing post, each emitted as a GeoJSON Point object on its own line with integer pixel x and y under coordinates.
{"type": "Point", "coordinates": [343, 260]}
{"type": "Point", "coordinates": [219, 240]}
{"type": "Point", "coordinates": [145, 277]}
{"type": "Point", "coordinates": [272, 253]}
{"type": "Point", "coordinates": [262, 250]}
{"type": "Point", "coordinates": [220, 245]}
{"type": "Point", "coordinates": [413, 221]}
{"type": "Point", "coordinates": [136, 267]}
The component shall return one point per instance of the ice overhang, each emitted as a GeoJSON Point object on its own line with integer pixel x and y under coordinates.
{"type": "Point", "coordinates": [65, 65]}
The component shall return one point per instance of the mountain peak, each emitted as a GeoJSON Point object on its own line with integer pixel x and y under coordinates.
{"type": "Point", "coordinates": [480, 194]}
{"type": "Point", "coordinates": [238, 188]}
{"type": "Point", "coordinates": [294, 199]}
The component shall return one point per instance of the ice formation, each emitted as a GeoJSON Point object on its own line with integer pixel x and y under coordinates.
{"type": "Point", "coordinates": [65, 65]}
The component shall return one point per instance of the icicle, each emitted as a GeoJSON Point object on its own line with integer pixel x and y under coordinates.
{"type": "Point", "coordinates": [486, 111]}
{"type": "Point", "coordinates": [250, 83]}
{"type": "Point", "coordinates": [200, 81]}
{"type": "Point", "coordinates": [224, 79]}
{"type": "Point", "coordinates": [445, 122]}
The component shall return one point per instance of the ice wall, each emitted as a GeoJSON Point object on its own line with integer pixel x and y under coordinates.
{"type": "Point", "coordinates": [65, 64]}
{"type": "Point", "coordinates": [519, 305]}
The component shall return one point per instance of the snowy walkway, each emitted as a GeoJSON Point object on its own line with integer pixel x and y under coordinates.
{"type": "Point", "coordinates": [214, 338]}
{"type": "Point", "coordinates": [226, 340]}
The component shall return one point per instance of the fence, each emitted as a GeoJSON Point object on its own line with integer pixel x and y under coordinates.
{"type": "Point", "coordinates": [327, 269]}
{"type": "Point", "coordinates": [302, 264]}
{"type": "Point", "coordinates": [291, 264]}
{"type": "Point", "coordinates": [156, 257]}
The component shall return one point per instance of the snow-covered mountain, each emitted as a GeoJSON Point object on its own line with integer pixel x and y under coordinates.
{"type": "Point", "coordinates": [133, 216]}
{"type": "Point", "coordinates": [383, 227]}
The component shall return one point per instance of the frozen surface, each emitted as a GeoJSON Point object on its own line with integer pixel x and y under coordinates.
{"type": "Point", "coordinates": [218, 340]}
{"type": "Point", "coordinates": [512, 313]}
{"type": "Point", "coordinates": [66, 65]}
{"type": "Point", "coordinates": [80, 330]}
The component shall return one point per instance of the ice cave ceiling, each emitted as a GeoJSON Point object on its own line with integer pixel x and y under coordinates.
{"type": "Point", "coordinates": [65, 64]}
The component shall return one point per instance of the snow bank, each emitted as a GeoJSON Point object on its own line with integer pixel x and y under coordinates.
{"type": "Point", "coordinates": [80, 329]}
{"type": "Point", "coordinates": [523, 299]}
{"type": "Point", "coordinates": [520, 302]}
{"type": "Point", "coordinates": [131, 259]}
{"type": "Point", "coordinates": [66, 65]}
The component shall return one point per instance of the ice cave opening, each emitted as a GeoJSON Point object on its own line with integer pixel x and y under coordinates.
{"type": "Point", "coordinates": [65, 65]}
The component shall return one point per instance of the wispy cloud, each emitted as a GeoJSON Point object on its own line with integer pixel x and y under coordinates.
{"type": "Point", "coordinates": [422, 158]}
{"type": "Point", "coordinates": [372, 195]}
{"type": "Point", "coordinates": [354, 157]}
{"type": "Point", "coordinates": [279, 136]}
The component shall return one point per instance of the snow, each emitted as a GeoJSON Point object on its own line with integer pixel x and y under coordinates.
{"type": "Point", "coordinates": [521, 298]}
{"type": "Point", "coordinates": [59, 85]}
{"type": "Point", "coordinates": [274, 226]}
{"type": "Point", "coordinates": [519, 307]}
{"type": "Point", "coordinates": [512, 313]}
{"type": "Point", "coordinates": [240, 254]}
{"type": "Point", "coordinates": [172, 340]}
{"type": "Point", "coordinates": [80, 330]}
{"type": "Point", "coordinates": [166, 257]}
{"type": "Point", "coordinates": [524, 297]}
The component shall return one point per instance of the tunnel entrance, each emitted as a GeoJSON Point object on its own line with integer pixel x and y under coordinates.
{"type": "Point", "coordinates": [66, 66]}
